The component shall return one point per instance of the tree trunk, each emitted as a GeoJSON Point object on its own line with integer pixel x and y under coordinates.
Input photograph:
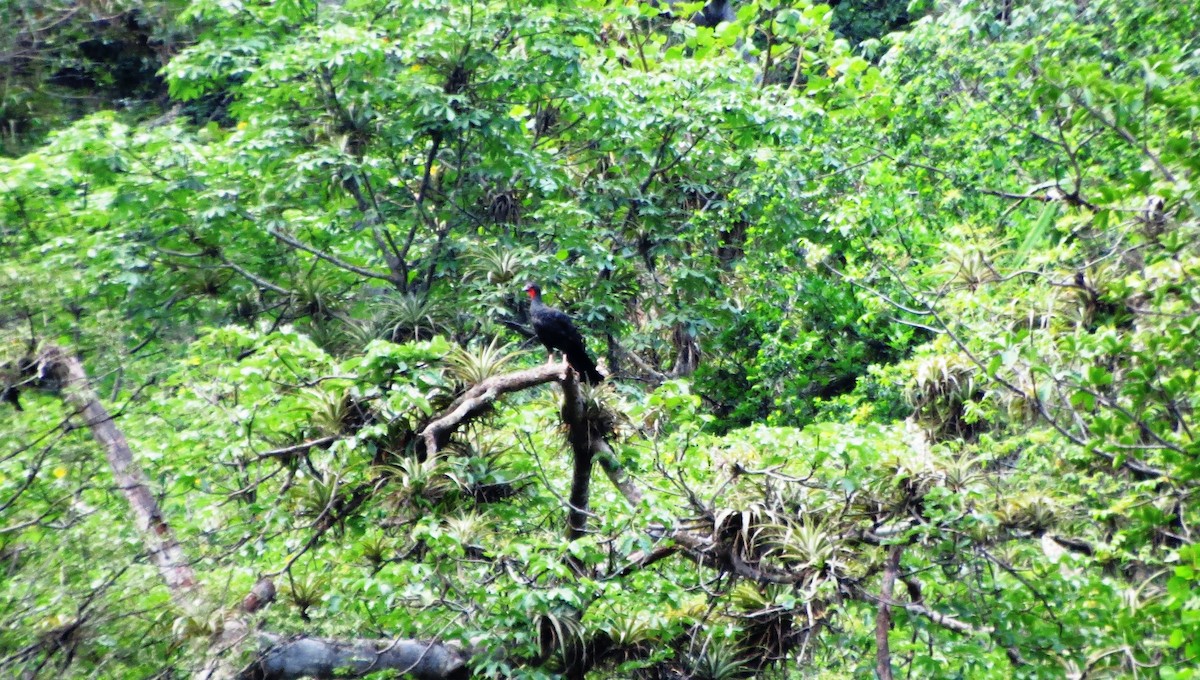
{"type": "Point", "coordinates": [282, 658]}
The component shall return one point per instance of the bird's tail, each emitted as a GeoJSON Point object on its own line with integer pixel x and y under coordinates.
{"type": "Point", "coordinates": [584, 366]}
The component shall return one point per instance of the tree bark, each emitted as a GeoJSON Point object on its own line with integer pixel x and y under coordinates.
{"type": "Point", "coordinates": [301, 657]}
{"type": "Point", "coordinates": [477, 400]}
{"type": "Point", "coordinates": [161, 546]}
{"type": "Point", "coordinates": [883, 620]}
{"type": "Point", "coordinates": [579, 434]}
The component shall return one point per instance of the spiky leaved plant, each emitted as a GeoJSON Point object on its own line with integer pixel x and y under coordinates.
{"type": "Point", "coordinates": [472, 365]}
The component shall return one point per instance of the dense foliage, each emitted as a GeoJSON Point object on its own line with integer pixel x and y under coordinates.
{"type": "Point", "coordinates": [901, 338]}
{"type": "Point", "coordinates": [61, 60]}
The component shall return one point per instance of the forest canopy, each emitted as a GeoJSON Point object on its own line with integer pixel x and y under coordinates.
{"type": "Point", "coordinates": [895, 305]}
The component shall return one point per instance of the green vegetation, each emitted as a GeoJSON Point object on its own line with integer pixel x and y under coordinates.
{"type": "Point", "coordinates": [901, 332]}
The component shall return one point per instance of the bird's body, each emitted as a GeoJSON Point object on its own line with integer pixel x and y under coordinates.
{"type": "Point", "coordinates": [556, 331]}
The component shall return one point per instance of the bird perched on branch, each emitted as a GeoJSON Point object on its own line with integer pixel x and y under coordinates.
{"type": "Point", "coordinates": [556, 331]}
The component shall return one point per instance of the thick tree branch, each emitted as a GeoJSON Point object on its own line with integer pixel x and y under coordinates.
{"type": "Point", "coordinates": [584, 434]}
{"type": "Point", "coordinates": [641, 559]}
{"type": "Point", "coordinates": [1074, 544]}
{"type": "Point", "coordinates": [161, 545]}
{"type": "Point", "coordinates": [616, 474]}
{"type": "Point", "coordinates": [254, 278]}
{"type": "Point", "coordinates": [480, 398]}
{"type": "Point", "coordinates": [1053, 194]}
{"type": "Point", "coordinates": [303, 657]}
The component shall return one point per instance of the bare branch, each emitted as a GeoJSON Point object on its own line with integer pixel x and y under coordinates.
{"type": "Point", "coordinates": [297, 448]}
{"type": "Point", "coordinates": [254, 278]}
{"type": "Point", "coordinates": [161, 545]}
{"type": "Point", "coordinates": [641, 559]}
{"type": "Point", "coordinates": [480, 398]}
{"type": "Point", "coordinates": [331, 259]}
{"type": "Point", "coordinates": [1054, 194]}
{"type": "Point", "coordinates": [283, 658]}
{"type": "Point", "coordinates": [945, 621]}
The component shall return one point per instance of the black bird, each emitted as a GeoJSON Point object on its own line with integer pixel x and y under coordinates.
{"type": "Point", "coordinates": [556, 331]}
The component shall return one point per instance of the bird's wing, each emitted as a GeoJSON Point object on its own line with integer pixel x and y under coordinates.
{"type": "Point", "coordinates": [561, 328]}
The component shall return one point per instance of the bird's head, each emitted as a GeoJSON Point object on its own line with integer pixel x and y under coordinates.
{"type": "Point", "coordinates": [532, 290]}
